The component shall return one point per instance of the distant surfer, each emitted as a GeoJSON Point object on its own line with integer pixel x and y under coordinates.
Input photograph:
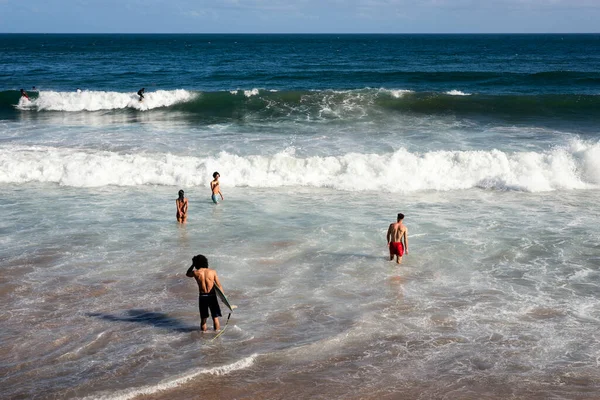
{"type": "Point", "coordinates": [397, 234]}
{"type": "Point", "coordinates": [182, 208]}
{"type": "Point", "coordinates": [141, 93]}
{"type": "Point", "coordinates": [215, 188]}
{"type": "Point", "coordinates": [207, 279]}
{"type": "Point", "coordinates": [24, 94]}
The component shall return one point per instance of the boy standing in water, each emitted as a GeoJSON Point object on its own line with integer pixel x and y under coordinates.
{"type": "Point", "coordinates": [214, 187]}
{"type": "Point", "coordinates": [395, 234]}
{"type": "Point", "coordinates": [182, 208]}
{"type": "Point", "coordinates": [207, 279]}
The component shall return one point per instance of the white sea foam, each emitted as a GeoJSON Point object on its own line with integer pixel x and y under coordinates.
{"type": "Point", "coordinates": [170, 384]}
{"type": "Point", "coordinates": [24, 104]}
{"type": "Point", "coordinates": [398, 93]}
{"type": "Point", "coordinates": [250, 93]}
{"type": "Point", "coordinates": [99, 100]}
{"type": "Point", "coordinates": [589, 158]}
{"type": "Point", "coordinates": [457, 93]}
{"type": "Point", "coordinates": [572, 167]}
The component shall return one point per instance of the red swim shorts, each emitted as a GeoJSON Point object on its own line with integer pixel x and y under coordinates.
{"type": "Point", "coordinates": [396, 248]}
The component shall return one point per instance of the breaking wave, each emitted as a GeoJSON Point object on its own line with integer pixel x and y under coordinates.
{"type": "Point", "coordinates": [324, 104]}
{"type": "Point", "coordinates": [576, 166]}
{"type": "Point", "coordinates": [99, 101]}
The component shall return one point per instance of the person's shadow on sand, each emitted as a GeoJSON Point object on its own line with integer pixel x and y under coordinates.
{"type": "Point", "coordinates": [159, 320]}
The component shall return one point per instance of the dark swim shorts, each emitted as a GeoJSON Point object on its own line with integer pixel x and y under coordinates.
{"type": "Point", "coordinates": [206, 301]}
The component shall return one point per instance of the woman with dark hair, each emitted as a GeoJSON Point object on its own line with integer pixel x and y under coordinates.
{"type": "Point", "coordinates": [182, 208]}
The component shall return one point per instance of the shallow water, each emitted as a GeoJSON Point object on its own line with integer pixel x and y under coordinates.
{"type": "Point", "coordinates": [493, 288]}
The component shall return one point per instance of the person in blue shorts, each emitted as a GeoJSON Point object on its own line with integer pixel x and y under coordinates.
{"type": "Point", "coordinates": [215, 188]}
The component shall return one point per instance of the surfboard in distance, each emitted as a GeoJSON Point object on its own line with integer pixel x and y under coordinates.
{"type": "Point", "coordinates": [223, 299]}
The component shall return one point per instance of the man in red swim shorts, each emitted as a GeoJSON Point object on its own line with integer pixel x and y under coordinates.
{"type": "Point", "coordinates": [396, 234]}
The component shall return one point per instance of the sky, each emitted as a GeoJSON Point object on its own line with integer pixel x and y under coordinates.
{"type": "Point", "coordinates": [300, 16]}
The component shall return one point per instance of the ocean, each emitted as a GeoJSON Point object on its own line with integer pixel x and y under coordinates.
{"type": "Point", "coordinates": [489, 144]}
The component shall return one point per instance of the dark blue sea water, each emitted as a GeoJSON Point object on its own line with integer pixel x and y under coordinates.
{"type": "Point", "coordinates": [489, 144]}
{"type": "Point", "coordinates": [523, 75]}
{"type": "Point", "coordinates": [490, 64]}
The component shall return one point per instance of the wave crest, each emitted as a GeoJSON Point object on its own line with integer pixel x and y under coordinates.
{"type": "Point", "coordinates": [314, 104]}
{"type": "Point", "coordinates": [574, 167]}
{"type": "Point", "coordinates": [99, 100]}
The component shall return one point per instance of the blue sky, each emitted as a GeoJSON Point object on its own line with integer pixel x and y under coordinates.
{"type": "Point", "coordinates": [300, 16]}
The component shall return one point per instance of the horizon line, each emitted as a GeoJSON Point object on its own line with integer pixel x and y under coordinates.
{"type": "Point", "coordinates": [299, 33]}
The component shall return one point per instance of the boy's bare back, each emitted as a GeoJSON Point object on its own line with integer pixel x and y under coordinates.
{"type": "Point", "coordinates": [206, 279]}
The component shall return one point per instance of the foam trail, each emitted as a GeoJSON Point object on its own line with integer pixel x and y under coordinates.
{"type": "Point", "coordinates": [99, 100]}
{"type": "Point", "coordinates": [252, 92]}
{"type": "Point", "coordinates": [573, 167]}
{"type": "Point", "coordinates": [457, 93]}
{"type": "Point", "coordinates": [151, 389]}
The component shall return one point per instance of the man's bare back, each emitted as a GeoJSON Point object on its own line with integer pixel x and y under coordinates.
{"type": "Point", "coordinates": [397, 239]}
{"type": "Point", "coordinates": [397, 231]}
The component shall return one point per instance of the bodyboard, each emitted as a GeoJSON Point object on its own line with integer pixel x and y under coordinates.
{"type": "Point", "coordinates": [225, 302]}
{"type": "Point", "coordinates": [223, 299]}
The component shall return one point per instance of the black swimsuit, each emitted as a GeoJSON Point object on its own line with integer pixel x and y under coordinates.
{"type": "Point", "coordinates": [209, 300]}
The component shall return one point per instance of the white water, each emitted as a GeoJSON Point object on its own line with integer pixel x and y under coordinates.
{"type": "Point", "coordinates": [98, 100]}
{"type": "Point", "coordinates": [161, 387]}
{"type": "Point", "coordinates": [574, 167]}
{"type": "Point", "coordinates": [457, 93]}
